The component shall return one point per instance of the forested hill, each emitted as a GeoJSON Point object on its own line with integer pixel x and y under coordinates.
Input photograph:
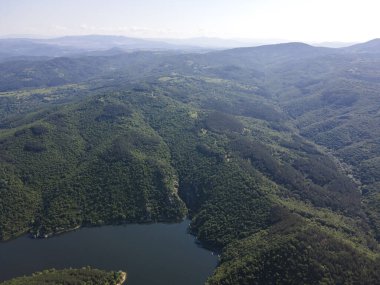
{"type": "Point", "coordinates": [70, 277]}
{"type": "Point", "coordinates": [273, 151]}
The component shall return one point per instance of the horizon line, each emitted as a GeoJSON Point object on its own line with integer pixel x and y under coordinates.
{"type": "Point", "coordinates": [238, 39]}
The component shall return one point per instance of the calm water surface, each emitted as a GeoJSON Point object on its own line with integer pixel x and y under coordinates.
{"type": "Point", "coordinates": [151, 254]}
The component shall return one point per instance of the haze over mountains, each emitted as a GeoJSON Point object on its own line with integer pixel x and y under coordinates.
{"type": "Point", "coordinates": [272, 151]}
{"type": "Point", "coordinates": [114, 53]}
{"type": "Point", "coordinates": [79, 45]}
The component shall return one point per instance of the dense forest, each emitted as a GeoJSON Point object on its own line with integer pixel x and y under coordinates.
{"type": "Point", "coordinates": [273, 152]}
{"type": "Point", "coordinates": [70, 277]}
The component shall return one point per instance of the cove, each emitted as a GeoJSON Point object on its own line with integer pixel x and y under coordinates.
{"type": "Point", "coordinates": [151, 254]}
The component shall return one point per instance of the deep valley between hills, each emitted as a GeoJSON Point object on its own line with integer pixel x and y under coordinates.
{"type": "Point", "coordinates": [273, 152]}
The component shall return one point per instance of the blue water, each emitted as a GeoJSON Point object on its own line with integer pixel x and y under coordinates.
{"type": "Point", "coordinates": [151, 254]}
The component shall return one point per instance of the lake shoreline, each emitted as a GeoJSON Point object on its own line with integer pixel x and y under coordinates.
{"type": "Point", "coordinates": [29, 231]}
{"type": "Point", "coordinates": [122, 277]}
{"type": "Point", "coordinates": [156, 248]}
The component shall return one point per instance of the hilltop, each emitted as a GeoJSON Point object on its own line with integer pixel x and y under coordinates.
{"type": "Point", "coordinates": [272, 151]}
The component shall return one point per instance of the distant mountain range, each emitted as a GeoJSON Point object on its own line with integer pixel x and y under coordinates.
{"type": "Point", "coordinates": [20, 48]}
{"type": "Point", "coordinates": [78, 45]}
{"type": "Point", "coordinates": [272, 151]}
{"type": "Point", "coordinates": [372, 46]}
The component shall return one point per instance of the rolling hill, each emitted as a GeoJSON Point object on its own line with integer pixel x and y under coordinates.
{"type": "Point", "coordinates": [272, 151]}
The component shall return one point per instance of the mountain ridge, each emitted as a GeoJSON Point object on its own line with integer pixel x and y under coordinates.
{"type": "Point", "coordinates": [79, 45]}
{"type": "Point", "coordinates": [271, 148]}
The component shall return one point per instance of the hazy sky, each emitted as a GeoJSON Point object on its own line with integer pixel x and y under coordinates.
{"type": "Point", "coordinates": [301, 20]}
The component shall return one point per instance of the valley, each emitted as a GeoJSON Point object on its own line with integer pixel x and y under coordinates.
{"type": "Point", "coordinates": [271, 151]}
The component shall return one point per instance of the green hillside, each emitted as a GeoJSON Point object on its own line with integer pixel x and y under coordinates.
{"type": "Point", "coordinates": [70, 277]}
{"type": "Point", "coordinates": [273, 152]}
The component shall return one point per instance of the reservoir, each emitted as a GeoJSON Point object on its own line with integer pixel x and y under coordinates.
{"type": "Point", "coordinates": [151, 254]}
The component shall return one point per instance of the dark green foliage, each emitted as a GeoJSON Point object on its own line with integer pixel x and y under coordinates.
{"type": "Point", "coordinates": [68, 277]}
{"type": "Point", "coordinates": [292, 252]}
{"type": "Point", "coordinates": [113, 111]}
{"type": "Point", "coordinates": [299, 144]}
{"type": "Point", "coordinates": [19, 133]}
{"type": "Point", "coordinates": [33, 146]}
{"type": "Point", "coordinates": [90, 172]}
{"type": "Point", "coordinates": [339, 98]}
{"type": "Point", "coordinates": [234, 208]}
{"type": "Point", "coordinates": [220, 122]}
{"type": "Point", "coordinates": [273, 150]}
{"type": "Point", "coordinates": [327, 188]}
{"type": "Point", "coordinates": [245, 107]}
{"type": "Point", "coordinates": [318, 168]}
{"type": "Point", "coordinates": [372, 206]}
{"type": "Point", "coordinates": [206, 150]}
{"type": "Point", "coordinates": [39, 130]}
{"type": "Point", "coordinates": [370, 170]}
{"type": "Point", "coordinates": [17, 208]}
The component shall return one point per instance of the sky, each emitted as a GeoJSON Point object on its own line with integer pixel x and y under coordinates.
{"type": "Point", "coordinates": [293, 20]}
